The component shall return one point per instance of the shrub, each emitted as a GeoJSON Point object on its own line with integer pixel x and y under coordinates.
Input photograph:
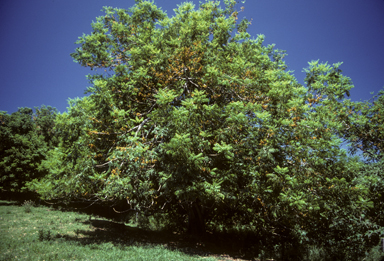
{"type": "Point", "coordinates": [28, 204]}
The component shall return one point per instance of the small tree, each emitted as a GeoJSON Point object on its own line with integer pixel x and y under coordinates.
{"type": "Point", "coordinates": [67, 158]}
{"type": "Point", "coordinates": [25, 139]}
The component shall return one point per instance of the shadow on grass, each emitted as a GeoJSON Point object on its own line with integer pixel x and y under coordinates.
{"type": "Point", "coordinates": [223, 245]}
{"type": "Point", "coordinates": [121, 235]}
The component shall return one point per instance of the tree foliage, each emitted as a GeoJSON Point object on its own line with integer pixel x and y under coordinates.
{"type": "Point", "coordinates": [25, 138]}
{"type": "Point", "coordinates": [366, 131]}
{"type": "Point", "coordinates": [67, 158]}
{"type": "Point", "coordinates": [190, 116]}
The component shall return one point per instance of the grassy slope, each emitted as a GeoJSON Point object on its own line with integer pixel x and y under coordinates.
{"type": "Point", "coordinates": [48, 234]}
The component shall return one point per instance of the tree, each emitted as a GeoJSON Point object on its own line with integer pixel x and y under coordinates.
{"type": "Point", "coordinates": [25, 139]}
{"type": "Point", "coordinates": [67, 158]}
{"type": "Point", "coordinates": [190, 116]}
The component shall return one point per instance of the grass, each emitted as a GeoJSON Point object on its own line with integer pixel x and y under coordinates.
{"type": "Point", "coordinates": [31, 232]}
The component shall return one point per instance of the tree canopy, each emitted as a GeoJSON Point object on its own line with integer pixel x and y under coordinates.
{"type": "Point", "coordinates": [188, 115]}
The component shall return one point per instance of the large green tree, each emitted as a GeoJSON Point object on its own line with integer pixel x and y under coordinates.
{"type": "Point", "coordinates": [190, 116]}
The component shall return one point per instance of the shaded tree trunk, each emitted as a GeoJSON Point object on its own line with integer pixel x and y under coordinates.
{"type": "Point", "coordinates": [196, 222]}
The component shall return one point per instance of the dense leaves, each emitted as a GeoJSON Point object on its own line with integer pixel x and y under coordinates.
{"type": "Point", "coordinates": [25, 138]}
{"type": "Point", "coordinates": [366, 132]}
{"type": "Point", "coordinates": [192, 117]}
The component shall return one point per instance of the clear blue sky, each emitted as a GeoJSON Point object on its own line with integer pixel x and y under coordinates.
{"type": "Point", "coordinates": [36, 38]}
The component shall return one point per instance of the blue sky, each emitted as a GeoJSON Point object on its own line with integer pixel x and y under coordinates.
{"type": "Point", "coordinates": [37, 37]}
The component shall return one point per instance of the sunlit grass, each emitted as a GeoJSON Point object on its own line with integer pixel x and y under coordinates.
{"type": "Point", "coordinates": [47, 234]}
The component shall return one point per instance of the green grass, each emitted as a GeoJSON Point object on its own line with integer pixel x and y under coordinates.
{"type": "Point", "coordinates": [30, 232]}
{"type": "Point", "coordinates": [42, 233]}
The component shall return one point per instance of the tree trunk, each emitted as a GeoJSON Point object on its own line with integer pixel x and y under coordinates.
{"type": "Point", "coordinates": [196, 222]}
